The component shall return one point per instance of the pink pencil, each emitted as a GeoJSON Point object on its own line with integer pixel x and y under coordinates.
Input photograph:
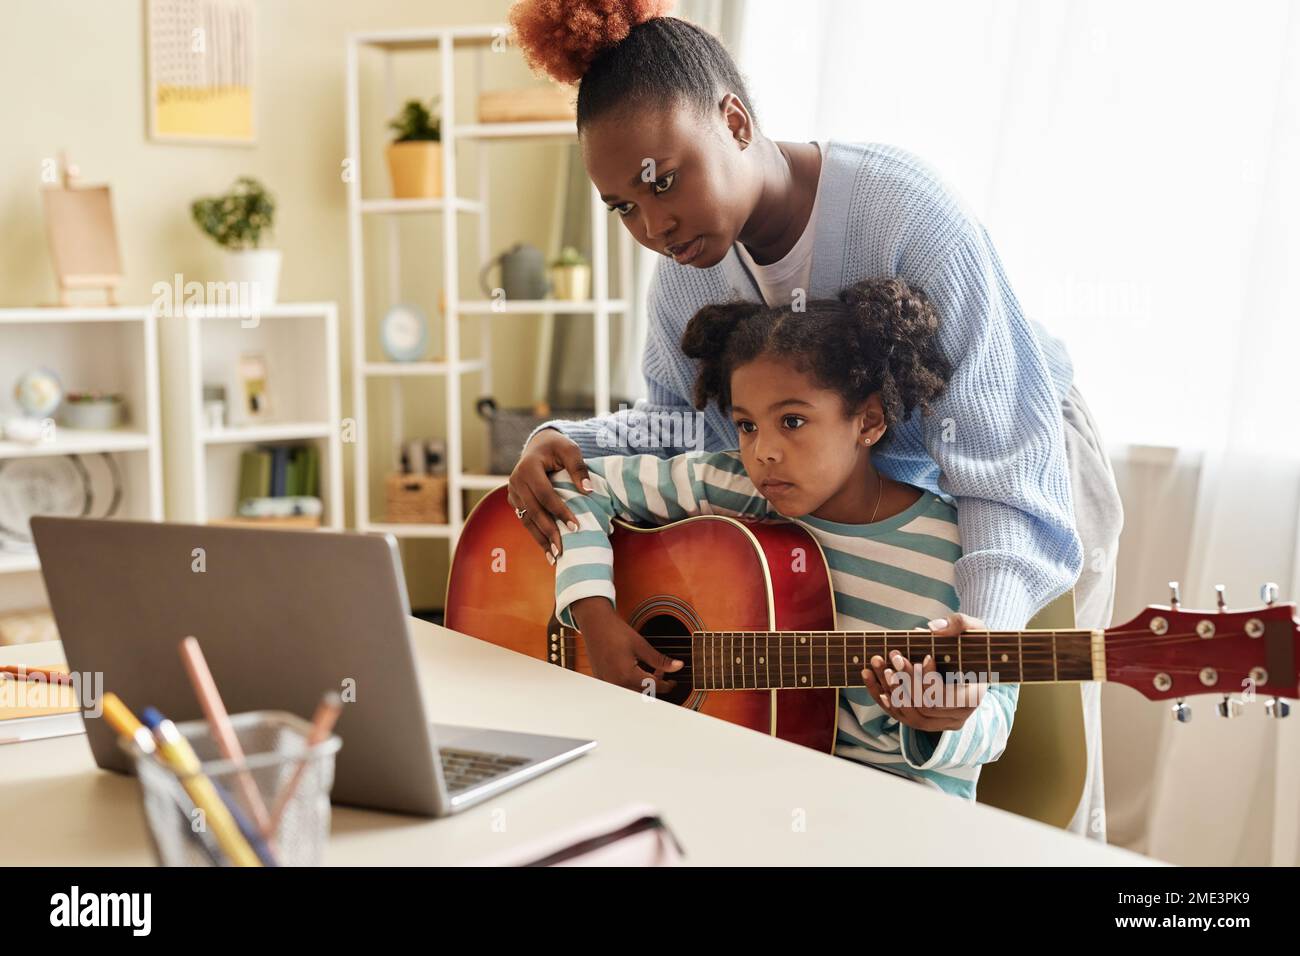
{"type": "Point", "coordinates": [205, 688]}
{"type": "Point", "coordinates": [322, 722]}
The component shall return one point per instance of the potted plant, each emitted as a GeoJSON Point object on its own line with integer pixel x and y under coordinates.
{"type": "Point", "coordinates": [238, 222]}
{"type": "Point", "coordinates": [570, 275]}
{"type": "Point", "coordinates": [415, 156]}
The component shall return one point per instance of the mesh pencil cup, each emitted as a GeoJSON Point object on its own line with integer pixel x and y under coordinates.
{"type": "Point", "coordinates": [276, 753]}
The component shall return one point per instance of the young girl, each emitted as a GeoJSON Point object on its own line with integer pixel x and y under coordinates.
{"type": "Point", "coordinates": [811, 393]}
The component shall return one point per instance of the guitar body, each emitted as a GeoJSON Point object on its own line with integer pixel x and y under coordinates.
{"type": "Point", "coordinates": [704, 573]}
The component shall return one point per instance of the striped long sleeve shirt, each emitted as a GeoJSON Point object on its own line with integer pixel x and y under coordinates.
{"type": "Point", "coordinates": [893, 574]}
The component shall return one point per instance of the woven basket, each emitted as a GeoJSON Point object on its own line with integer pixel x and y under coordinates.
{"type": "Point", "coordinates": [418, 499]}
{"type": "Point", "coordinates": [509, 428]}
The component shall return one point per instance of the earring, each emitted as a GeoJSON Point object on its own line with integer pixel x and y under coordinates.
{"type": "Point", "coordinates": [866, 441]}
{"type": "Point", "coordinates": [743, 142]}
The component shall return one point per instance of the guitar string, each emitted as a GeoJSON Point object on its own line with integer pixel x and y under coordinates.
{"type": "Point", "coordinates": [998, 643]}
{"type": "Point", "coordinates": [1124, 637]}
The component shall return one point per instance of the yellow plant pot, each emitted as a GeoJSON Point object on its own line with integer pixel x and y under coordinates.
{"type": "Point", "coordinates": [571, 283]}
{"type": "Point", "coordinates": [416, 169]}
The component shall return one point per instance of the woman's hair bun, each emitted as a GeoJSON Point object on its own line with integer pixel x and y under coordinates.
{"type": "Point", "coordinates": [562, 37]}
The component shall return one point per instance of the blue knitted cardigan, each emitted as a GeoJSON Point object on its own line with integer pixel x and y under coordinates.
{"type": "Point", "coordinates": [994, 442]}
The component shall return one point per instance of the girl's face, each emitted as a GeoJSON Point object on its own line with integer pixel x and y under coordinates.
{"type": "Point", "coordinates": [680, 182]}
{"type": "Point", "coordinates": [797, 444]}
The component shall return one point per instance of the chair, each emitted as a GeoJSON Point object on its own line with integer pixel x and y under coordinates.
{"type": "Point", "coordinates": [1041, 772]}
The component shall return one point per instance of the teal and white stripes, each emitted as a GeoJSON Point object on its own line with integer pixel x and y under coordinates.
{"type": "Point", "coordinates": [895, 574]}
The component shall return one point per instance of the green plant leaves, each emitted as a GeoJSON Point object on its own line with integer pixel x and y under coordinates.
{"type": "Point", "coordinates": [416, 122]}
{"type": "Point", "coordinates": [237, 219]}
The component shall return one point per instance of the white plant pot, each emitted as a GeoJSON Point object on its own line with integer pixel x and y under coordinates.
{"type": "Point", "coordinates": [258, 273]}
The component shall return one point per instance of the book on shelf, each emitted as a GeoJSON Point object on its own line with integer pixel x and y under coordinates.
{"type": "Point", "coordinates": [279, 471]}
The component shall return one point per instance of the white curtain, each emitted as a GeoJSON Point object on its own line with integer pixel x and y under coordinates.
{"type": "Point", "coordinates": [1136, 164]}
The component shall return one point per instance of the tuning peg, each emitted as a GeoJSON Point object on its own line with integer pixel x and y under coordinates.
{"type": "Point", "coordinates": [1182, 712]}
{"type": "Point", "coordinates": [1277, 707]}
{"type": "Point", "coordinates": [1174, 599]}
{"type": "Point", "coordinates": [1268, 593]}
{"type": "Point", "coordinates": [1229, 708]}
{"type": "Point", "coordinates": [1219, 598]}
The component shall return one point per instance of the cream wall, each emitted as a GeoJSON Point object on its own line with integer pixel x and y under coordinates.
{"type": "Point", "coordinates": [73, 73]}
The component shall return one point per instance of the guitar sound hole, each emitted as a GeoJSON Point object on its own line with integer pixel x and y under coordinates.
{"type": "Point", "coordinates": [670, 636]}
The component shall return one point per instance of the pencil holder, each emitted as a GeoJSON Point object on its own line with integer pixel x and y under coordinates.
{"type": "Point", "coordinates": [291, 780]}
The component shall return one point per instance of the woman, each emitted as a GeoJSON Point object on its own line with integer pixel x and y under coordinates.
{"type": "Point", "coordinates": [670, 139]}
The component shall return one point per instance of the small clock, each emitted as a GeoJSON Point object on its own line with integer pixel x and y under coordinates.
{"type": "Point", "coordinates": [404, 333]}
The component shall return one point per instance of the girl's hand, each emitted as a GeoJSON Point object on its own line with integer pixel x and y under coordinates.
{"type": "Point", "coordinates": [615, 648]}
{"type": "Point", "coordinates": [907, 694]}
{"type": "Point", "coordinates": [531, 488]}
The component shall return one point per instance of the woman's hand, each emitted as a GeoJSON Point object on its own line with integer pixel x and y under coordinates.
{"type": "Point", "coordinates": [531, 489]}
{"type": "Point", "coordinates": [907, 694]}
{"type": "Point", "coordinates": [614, 648]}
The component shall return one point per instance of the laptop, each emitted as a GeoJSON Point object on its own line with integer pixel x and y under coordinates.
{"type": "Point", "coordinates": [282, 616]}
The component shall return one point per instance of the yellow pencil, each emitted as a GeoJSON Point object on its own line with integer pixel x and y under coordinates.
{"type": "Point", "coordinates": [176, 750]}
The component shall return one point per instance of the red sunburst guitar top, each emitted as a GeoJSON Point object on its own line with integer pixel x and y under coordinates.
{"type": "Point", "coordinates": [759, 642]}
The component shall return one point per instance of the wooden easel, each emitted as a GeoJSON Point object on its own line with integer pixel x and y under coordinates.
{"type": "Point", "coordinates": [83, 236]}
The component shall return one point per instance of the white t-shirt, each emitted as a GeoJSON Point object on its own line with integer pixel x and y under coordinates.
{"type": "Point", "coordinates": [792, 271]}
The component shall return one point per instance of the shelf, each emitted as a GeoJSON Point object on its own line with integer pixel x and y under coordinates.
{"type": "Point", "coordinates": [72, 441]}
{"type": "Point", "coordinates": [73, 314]}
{"type": "Point", "coordinates": [428, 40]}
{"type": "Point", "coordinates": [296, 310]}
{"type": "Point", "coordinates": [273, 431]}
{"type": "Point", "coordinates": [535, 306]}
{"type": "Point", "coordinates": [294, 523]}
{"type": "Point", "coordinates": [609, 300]}
{"type": "Point", "coordinates": [542, 129]}
{"type": "Point", "coordinates": [300, 342]}
{"type": "Point", "coordinates": [484, 482]}
{"type": "Point", "coordinates": [13, 562]}
{"type": "Point", "coordinates": [405, 206]}
{"type": "Point", "coordinates": [399, 369]}
{"type": "Point", "coordinates": [409, 529]}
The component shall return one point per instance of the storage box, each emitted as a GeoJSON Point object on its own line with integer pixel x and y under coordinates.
{"type": "Point", "coordinates": [530, 105]}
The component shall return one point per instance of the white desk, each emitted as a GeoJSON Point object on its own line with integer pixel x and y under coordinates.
{"type": "Point", "coordinates": [732, 796]}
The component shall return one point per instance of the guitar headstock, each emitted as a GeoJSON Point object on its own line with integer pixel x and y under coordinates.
{"type": "Point", "coordinates": [1168, 652]}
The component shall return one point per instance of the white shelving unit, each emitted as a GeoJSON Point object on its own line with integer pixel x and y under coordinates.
{"type": "Point", "coordinates": [447, 42]}
{"type": "Point", "coordinates": [300, 344]}
{"type": "Point", "coordinates": [113, 350]}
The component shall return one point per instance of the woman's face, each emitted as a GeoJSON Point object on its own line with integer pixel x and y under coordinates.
{"type": "Point", "coordinates": [680, 181]}
{"type": "Point", "coordinates": [796, 442]}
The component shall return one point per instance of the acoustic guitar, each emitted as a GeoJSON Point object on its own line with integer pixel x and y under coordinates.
{"type": "Point", "coordinates": [747, 605]}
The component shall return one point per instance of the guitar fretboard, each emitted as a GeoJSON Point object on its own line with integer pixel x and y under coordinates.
{"type": "Point", "coordinates": [761, 660]}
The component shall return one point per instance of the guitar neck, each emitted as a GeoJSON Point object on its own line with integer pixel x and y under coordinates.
{"type": "Point", "coordinates": [780, 660]}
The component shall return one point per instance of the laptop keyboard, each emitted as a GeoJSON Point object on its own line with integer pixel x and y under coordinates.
{"type": "Point", "coordinates": [463, 769]}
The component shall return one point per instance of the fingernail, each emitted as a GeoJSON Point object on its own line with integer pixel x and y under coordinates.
{"type": "Point", "coordinates": [884, 700]}
{"type": "Point", "coordinates": [573, 526]}
{"type": "Point", "coordinates": [550, 558]}
{"type": "Point", "coordinates": [938, 624]}
{"type": "Point", "coordinates": [928, 661]}
{"type": "Point", "coordinates": [889, 675]}
{"type": "Point", "coordinates": [555, 551]}
{"type": "Point", "coordinates": [586, 485]}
